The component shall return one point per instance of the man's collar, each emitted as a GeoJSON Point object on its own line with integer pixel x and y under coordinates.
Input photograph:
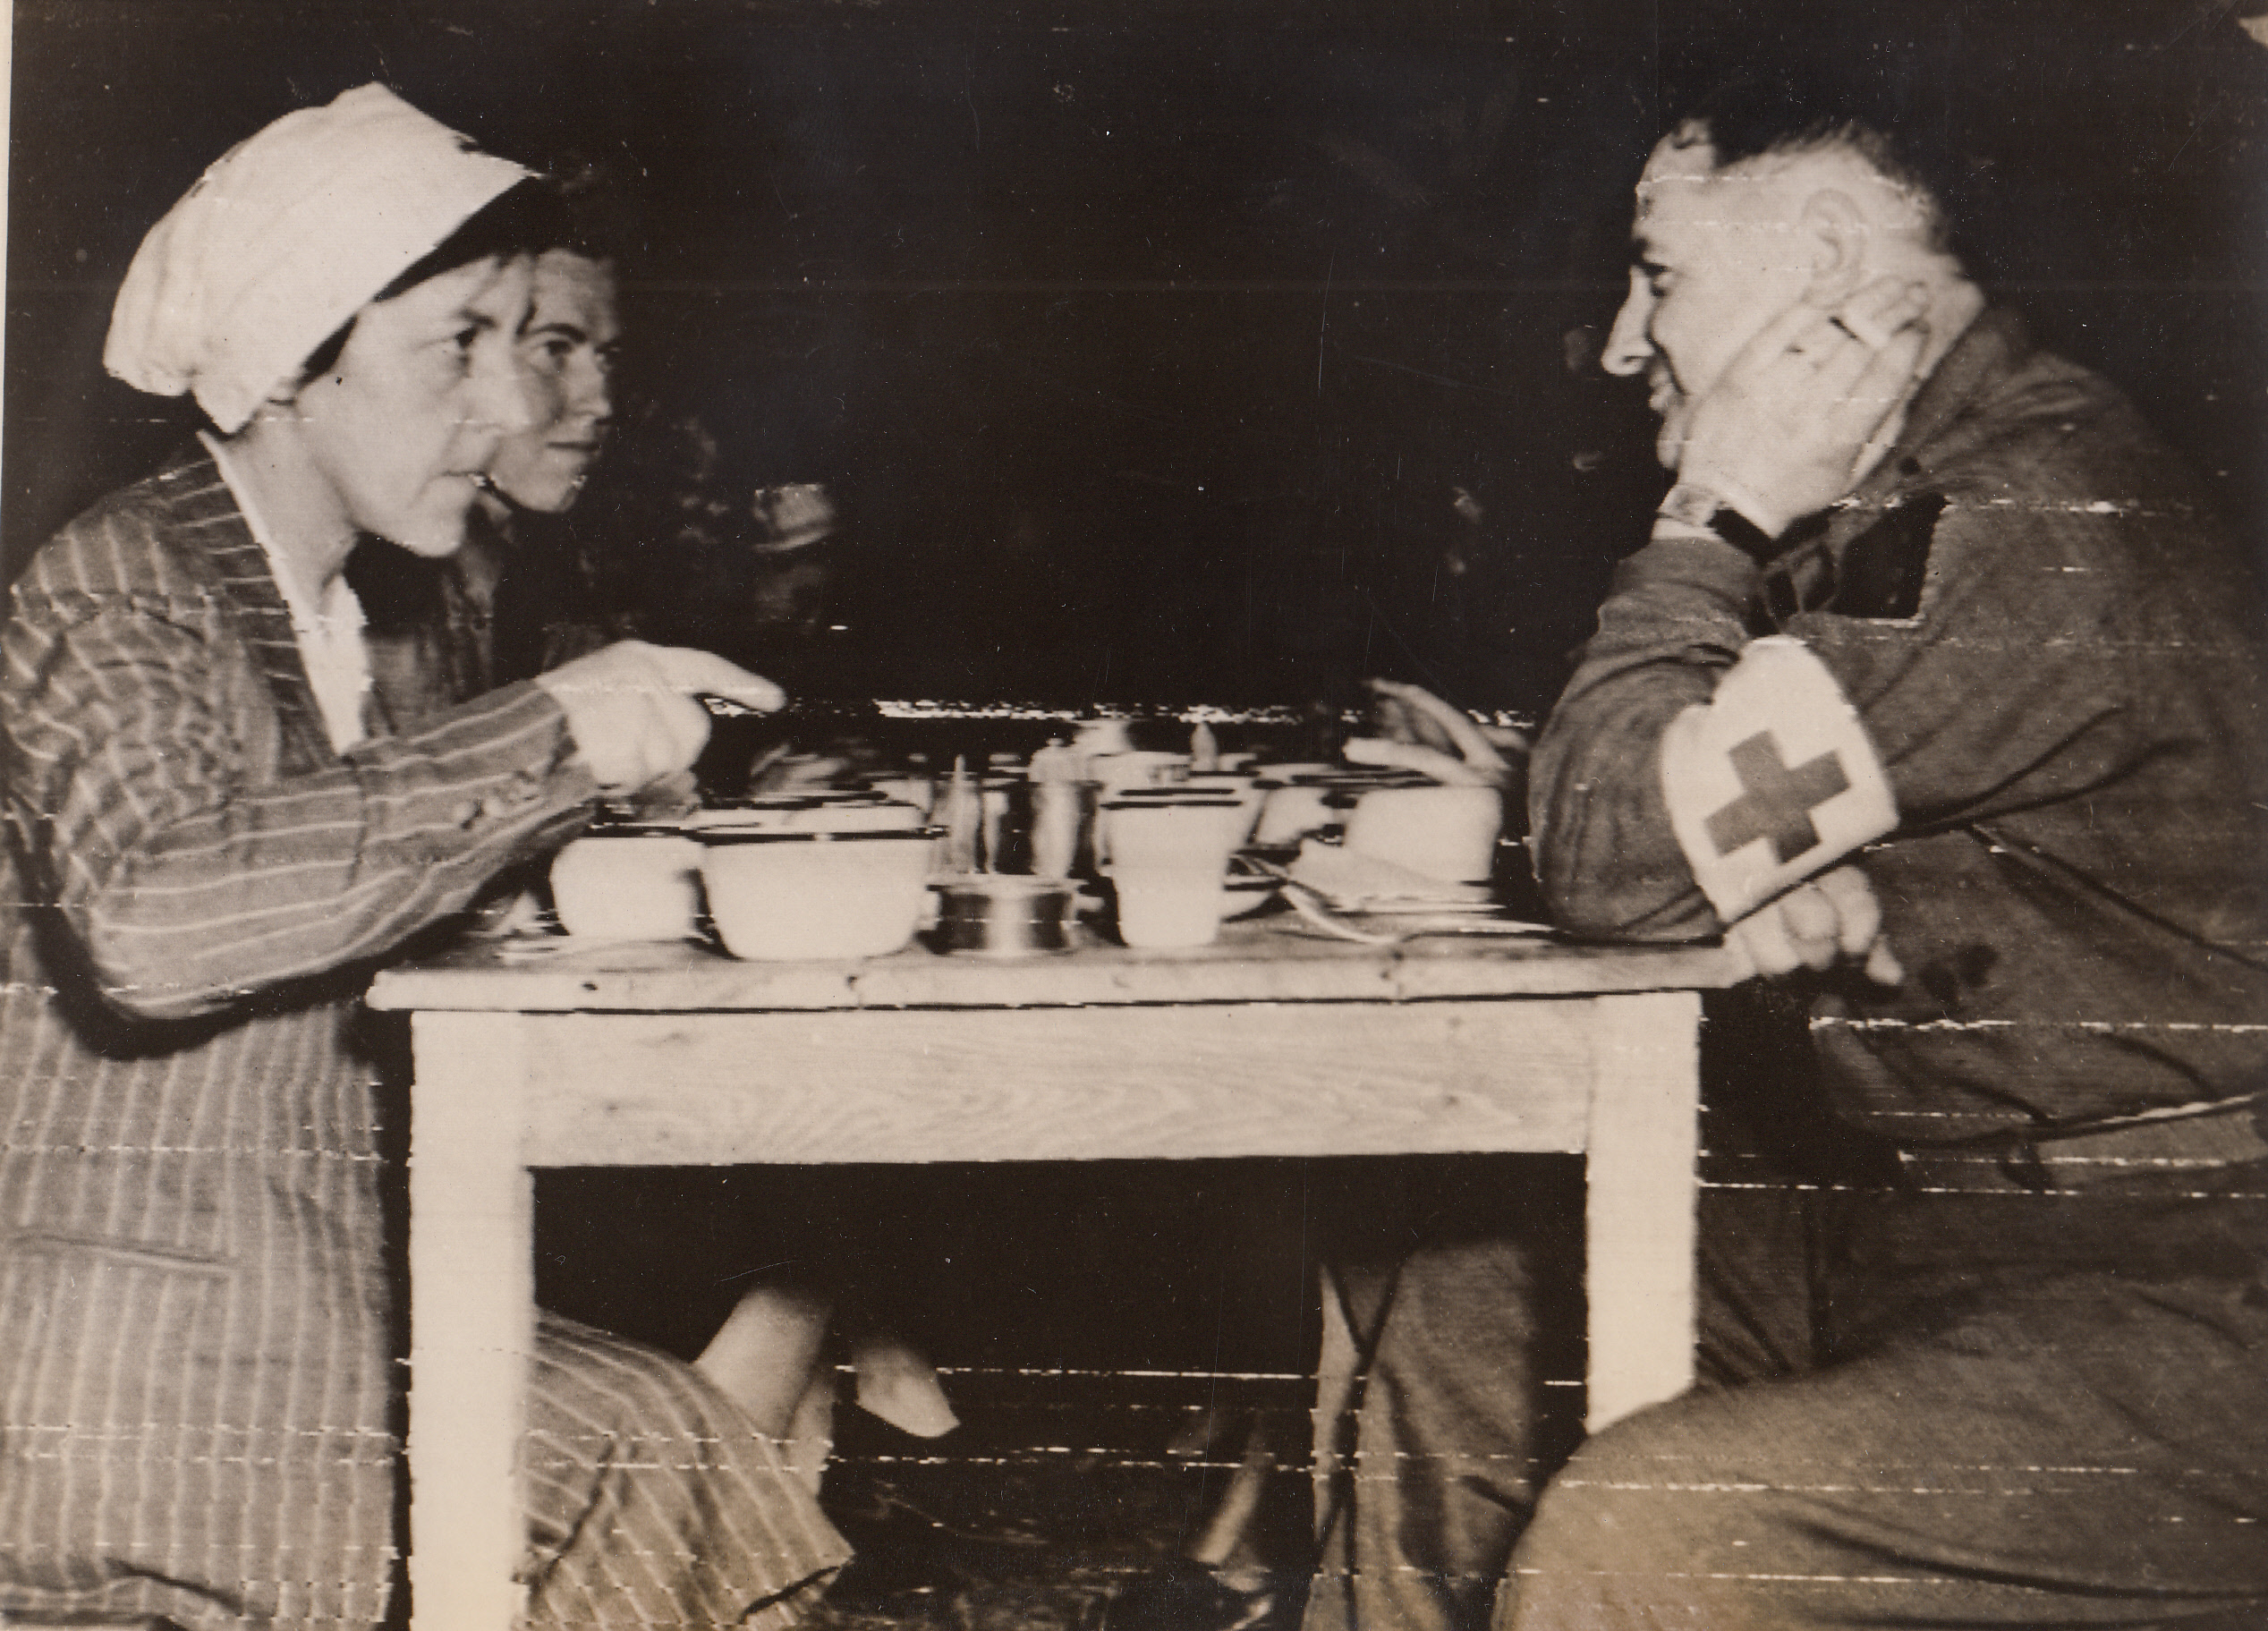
{"type": "Point", "coordinates": [1997, 341]}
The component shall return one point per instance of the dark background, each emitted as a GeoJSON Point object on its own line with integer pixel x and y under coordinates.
{"type": "Point", "coordinates": [1147, 343]}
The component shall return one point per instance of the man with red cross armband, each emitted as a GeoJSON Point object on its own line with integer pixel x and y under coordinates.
{"type": "Point", "coordinates": [1938, 695]}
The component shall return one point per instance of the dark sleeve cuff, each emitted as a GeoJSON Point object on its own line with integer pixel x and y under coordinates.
{"type": "Point", "coordinates": [1720, 571]}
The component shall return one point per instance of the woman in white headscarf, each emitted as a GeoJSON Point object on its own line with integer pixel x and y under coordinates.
{"type": "Point", "coordinates": [220, 824]}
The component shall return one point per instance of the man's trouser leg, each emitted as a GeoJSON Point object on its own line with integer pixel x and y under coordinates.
{"type": "Point", "coordinates": [1416, 1531]}
{"type": "Point", "coordinates": [1449, 1367]}
{"type": "Point", "coordinates": [2084, 1449]}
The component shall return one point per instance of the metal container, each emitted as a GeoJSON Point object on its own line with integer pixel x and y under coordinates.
{"type": "Point", "coordinates": [995, 914]}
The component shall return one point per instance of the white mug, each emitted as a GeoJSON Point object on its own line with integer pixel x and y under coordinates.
{"type": "Point", "coordinates": [1164, 907]}
{"type": "Point", "coordinates": [1187, 834]}
{"type": "Point", "coordinates": [643, 887]}
{"type": "Point", "coordinates": [1444, 832]}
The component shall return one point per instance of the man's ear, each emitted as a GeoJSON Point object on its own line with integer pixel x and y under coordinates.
{"type": "Point", "coordinates": [1834, 234]}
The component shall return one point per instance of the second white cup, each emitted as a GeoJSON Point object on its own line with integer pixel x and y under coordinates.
{"type": "Point", "coordinates": [1444, 832]}
{"type": "Point", "coordinates": [1189, 835]}
{"type": "Point", "coordinates": [1162, 909]}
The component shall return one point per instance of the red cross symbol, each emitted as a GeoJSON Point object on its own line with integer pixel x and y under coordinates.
{"type": "Point", "coordinates": [1775, 801]}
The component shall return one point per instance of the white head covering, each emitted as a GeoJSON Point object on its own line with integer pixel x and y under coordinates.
{"type": "Point", "coordinates": [282, 240]}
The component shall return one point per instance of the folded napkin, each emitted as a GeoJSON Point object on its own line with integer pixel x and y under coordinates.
{"type": "Point", "coordinates": [1351, 881]}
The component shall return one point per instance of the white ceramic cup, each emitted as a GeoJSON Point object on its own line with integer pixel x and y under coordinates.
{"type": "Point", "coordinates": [1448, 833]}
{"type": "Point", "coordinates": [1160, 908]}
{"type": "Point", "coordinates": [1241, 786]}
{"type": "Point", "coordinates": [775, 896]}
{"type": "Point", "coordinates": [1182, 834]}
{"type": "Point", "coordinates": [627, 887]}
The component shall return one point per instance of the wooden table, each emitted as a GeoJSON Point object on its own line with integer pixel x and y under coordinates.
{"type": "Point", "coordinates": [1265, 1043]}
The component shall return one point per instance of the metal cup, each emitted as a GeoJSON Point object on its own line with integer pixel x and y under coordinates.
{"type": "Point", "coordinates": [1000, 915]}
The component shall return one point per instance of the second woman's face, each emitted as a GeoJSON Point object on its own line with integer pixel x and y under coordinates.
{"type": "Point", "coordinates": [567, 349]}
{"type": "Point", "coordinates": [403, 427]}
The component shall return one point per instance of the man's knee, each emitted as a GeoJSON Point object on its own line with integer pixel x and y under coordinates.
{"type": "Point", "coordinates": [1618, 1497]}
{"type": "Point", "coordinates": [1640, 1517]}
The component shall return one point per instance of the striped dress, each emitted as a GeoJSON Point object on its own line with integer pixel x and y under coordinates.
{"type": "Point", "coordinates": [199, 1413]}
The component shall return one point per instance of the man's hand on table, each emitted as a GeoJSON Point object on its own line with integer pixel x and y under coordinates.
{"type": "Point", "coordinates": [633, 708]}
{"type": "Point", "coordinates": [1823, 921]}
{"type": "Point", "coordinates": [1418, 731]}
{"type": "Point", "coordinates": [1808, 404]}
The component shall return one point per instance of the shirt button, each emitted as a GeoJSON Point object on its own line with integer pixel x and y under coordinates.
{"type": "Point", "coordinates": [464, 812]}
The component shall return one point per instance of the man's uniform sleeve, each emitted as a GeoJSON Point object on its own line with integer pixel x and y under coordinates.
{"type": "Point", "coordinates": [1771, 780]}
{"type": "Point", "coordinates": [1691, 773]}
{"type": "Point", "coordinates": [1606, 854]}
{"type": "Point", "coordinates": [1693, 770]}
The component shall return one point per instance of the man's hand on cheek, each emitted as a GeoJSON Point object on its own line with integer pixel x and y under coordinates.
{"type": "Point", "coordinates": [1780, 434]}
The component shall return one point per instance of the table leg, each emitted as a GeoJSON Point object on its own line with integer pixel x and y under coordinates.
{"type": "Point", "coordinates": [1643, 1184]}
{"type": "Point", "coordinates": [471, 1319]}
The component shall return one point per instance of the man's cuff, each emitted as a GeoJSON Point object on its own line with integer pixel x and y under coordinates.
{"type": "Point", "coordinates": [1696, 508]}
{"type": "Point", "coordinates": [1773, 780]}
{"type": "Point", "coordinates": [1728, 576]}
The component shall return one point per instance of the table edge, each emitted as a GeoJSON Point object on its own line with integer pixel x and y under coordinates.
{"type": "Point", "coordinates": [925, 980]}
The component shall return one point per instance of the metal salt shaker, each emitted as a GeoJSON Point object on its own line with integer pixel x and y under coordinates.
{"type": "Point", "coordinates": [1059, 824]}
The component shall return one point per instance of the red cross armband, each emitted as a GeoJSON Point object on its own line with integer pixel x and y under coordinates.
{"type": "Point", "coordinates": [1771, 780]}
